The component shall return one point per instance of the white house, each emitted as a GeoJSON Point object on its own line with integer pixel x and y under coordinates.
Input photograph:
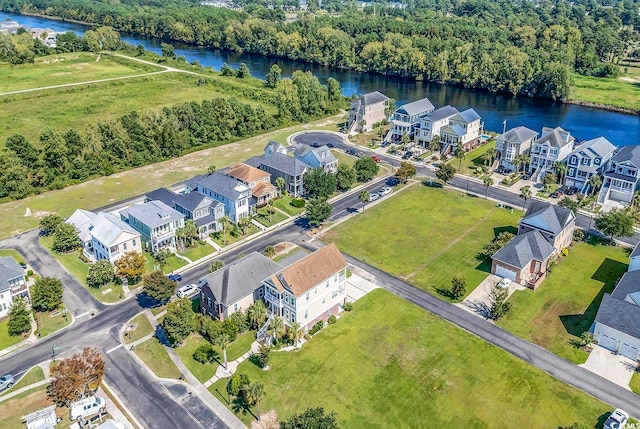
{"type": "Point", "coordinates": [82, 220]}
{"type": "Point", "coordinates": [554, 145]}
{"type": "Point", "coordinates": [621, 178]}
{"type": "Point", "coordinates": [432, 122]}
{"type": "Point", "coordinates": [589, 158]}
{"type": "Point", "coordinates": [406, 119]}
{"type": "Point", "coordinates": [516, 141]}
{"type": "Point", "coordinates": [111, 238]}
{"type": "Point", "coordinates": [464, 130]}
{"type": "Point", "coordinates": [366, 111]}
{"type": "Point", "coordinates": [234, 194]}
{"type": "Point", "coordinates": [156, 222]}
{"type": "Point", "coordinates": [13, 283]}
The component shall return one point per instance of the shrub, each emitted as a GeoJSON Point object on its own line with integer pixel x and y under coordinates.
{"type": "Point", "coordinates": [261, 358]}
{"type": "Point", "coordinates": [30, 273]}
{"type": "Point", "coordinates": [565, 251]}
{"type": "Point", "coordinates": [348, 306]}
{"type": "Point", "coordinates": [205, 354]}
{"type": "Point", "coordinates": [317, 327]}
{"type": "Point", "coordinates": [331, 320]}
{"type": "Point", "coordinates": [298, 202]}
{"type": "Point", "coordinates": [578, 235]}
{"type": "Point", "coordinates": [307, 337]}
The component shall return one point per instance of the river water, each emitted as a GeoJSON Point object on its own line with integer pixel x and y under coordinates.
{"type": "Point", "coordinates": [583, 122]}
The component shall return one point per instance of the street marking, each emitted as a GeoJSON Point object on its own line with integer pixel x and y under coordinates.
{"type": "Point", "coordinates": [115, 348]}
{"type": "Point", "coordinates": [83, 314]}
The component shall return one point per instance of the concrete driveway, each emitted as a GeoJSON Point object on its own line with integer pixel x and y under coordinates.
{"type": "Point", "coordinates": [358, 285]}
{"type": "Point", "coordinates": [479, 301]}
{"type": "Point", "coordinates": [615, 368]}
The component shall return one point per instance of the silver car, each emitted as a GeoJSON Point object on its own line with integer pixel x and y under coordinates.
{"type": "Point", "coordinates": [6, 381]}
{"type": "Point", "coordinates": [373, 196]}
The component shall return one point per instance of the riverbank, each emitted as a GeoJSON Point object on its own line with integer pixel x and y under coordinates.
{"type": "Point", "coordinates": [614, 94]}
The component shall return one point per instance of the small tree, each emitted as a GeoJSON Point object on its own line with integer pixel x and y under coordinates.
{"type": "Point", "coordinates": [276, 328]}
{"type": "Point", "coordinates": [158, 287]}
{"type": "Point", "coordinates": [269, 252]}
{"type": "Point", "coordinates": [19, 318]}
{"type": "Point", "coordinates": [525, 194]}
{"type": "Point", "coordinates": [46, 294]}
{"type": "Point", "coordinates": [318, 210]}
{"type": "Point", "coordinates": [49, 223]}
{"type": "Point", "coordinates": [205, 354]}
{"type": "Point", "coordinates": [281, 184]}
{"type": "Point", "coordinates": [236, 384]}
{"type": "Point", "coordinates": [595, 182]}
{"type": "Point", "coordinates": [320, 183]}
{"type": "Point", "coordinates": [168, 51]}
{"type": "Point", "coordinates": [458, 287]}
{"type": "Point", "coordinates": [215, 265]}
{"type": "Point", "coordinates": [274, 75]}
{"type": "Point", "coordinates": [311, 418]}
{"type": "Point", "coordinates": [100, 273]}
{"type": "Point", "coordinates": [222, 341]}
{"type": "Point", "coordinates": [405, 172]}
{"type": "Point", "coordinates": [178, 321]}
{"type": "Point", "coordinates": [243, 71]}
{"type": "Point", "coordinates": [445, 172]}
{"type": "Point", "coordinates": [211, 169]}
{"type": "Point", "coordinates": [254, 394]}
{"type": "Point", "coordinates": [76, 377]}
{"type": "Point", "coordinates": [499, 305]}
{"type": "Point", "coordinates": [345, 177]}
{"type": "Point", "coordinates": [256, 314]}
{"type": "Point", "coordinates": [560, 169]}
{"type": "Point", "coordinates": [569, 203]}
{"type": "Point", "coordinates": [434, 144]}
{"type": "Point", "coordinates": [460, 154]}
{"type": "Point", "coordinates": [225, 70]}
{"type": "Point", "coordinates": [488, 182]}
{"type": "Point", "coordinates": [366, 168]}
{"type": "Point", "coordinates": [615, 223]}
{"type": "Point", "coordinates": [365, 197]}
{"type": "Point", "coordinates": [65, 238]}
{"type": "Point", "coordinates": [131, 265]}
{"type": "Point", "coordinates": [261, 358]}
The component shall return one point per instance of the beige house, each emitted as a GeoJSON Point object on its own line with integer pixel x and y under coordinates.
{"type": "Point", "coordinates": [310, 289]}
{"type": "Point", "coordinates": [257, 180]}
{"type": "Point", "coordinates": [366, 111]}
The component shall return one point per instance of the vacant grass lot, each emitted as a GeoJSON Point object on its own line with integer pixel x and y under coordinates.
{"type": "Point", "coordinates": [7, 340]}
{"type": "Point", "coordinates": [32, 376]}
{"type": "Point", "coordinates": [284, 204]}
{"type": "Point", "coordinates": [68, 68]}
{"type": "Point", "coordinates": [50, 324]}
{"type": "Point", "coordinates": [143, 329]}
{"type": "Point", "coordinates": [611, 92]}
{"type": "Point", "coordinates": [199, 251]}
{"type": "Point", "coordinates": [389, 364]}
{"type": "Point", "coordinates": [425, 235]}
{"type": "Point", "coordinates": [230, 239]}
{"type": "Point", "coordinates": [566, 303]}
{"type": "Point", "coordinates": [156, 357]}
{"type": "Point", "coordinates": [472, 160]}
{"type": "Point", "coordinates": [267, 219]}
{"type": "Point", "coordinates": [105, 190]}
{"type": "Point", "coordinates": [12, 410]}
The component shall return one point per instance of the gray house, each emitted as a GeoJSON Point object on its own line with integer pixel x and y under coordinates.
{"type": "Point", "coordinates": [276, 162]}
{"type": "Point", "coordinates": [234, 194]}
{"type": "Point", "coordinates": [621, 178]}
{"type": "Point", "coordinates": [406, 119]}
{"type": "Point", "coordinates": [591, 157]}
{"type": "Point", "coordinates": [156, 222]}
{"type": "Point", "coordinates": [13, 283]}
{"type": "Point", "coordinates": [516, 141]}
{"type": "Point", "coordinates": [316, 157]}
{"type": "Point", "coordinates": [367, 110]}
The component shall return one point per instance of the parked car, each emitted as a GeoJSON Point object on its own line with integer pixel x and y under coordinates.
{"type": "Point", "coordinates": [504, 283]}
{"type": "Point", "coordinates": [331, 145]}
{"type": "Point", "coordinates": [188, 290]}
{"type": "Point", "coordinates": [407, 155]}
{"type": "Point", "coordinates": [351, 152]}
{"type": "Point", "coordinates": [86, 407]}
{"type": "Point", "coordinates": [6, 381]}
{"type": "Point", "coordinates": [392, 181]}
{"type": "Point", "coordinates": [617, 419]}
{"type": "Point", "coordinates": [175, 277]}
{"type": "Point", "coordinates": [385, 191]}
{"type": "Point", "coordinates": [373, 196]}
{"type": "Point", "coordinates": [571, 190]}
{"type": "Point", "coordinates": [376, 158]}
{"type": "Point", "coordinates": [315, 144]}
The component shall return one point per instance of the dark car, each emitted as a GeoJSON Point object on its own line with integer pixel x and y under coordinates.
{"type": "Point", "coordinates": [175, 277]}
{"type": "Point", "coordinates": [571, 190]}
{"type": "Point", "coordinates": [331, 145]}
{"type": "Point", "coordinates": [392, 181]}
{"type": "Point", "coordinates": [407, 155]}
{"type": "Point", "coordinates": [315, 144]}
{"type": "Point", "coordinates": [351, 152]}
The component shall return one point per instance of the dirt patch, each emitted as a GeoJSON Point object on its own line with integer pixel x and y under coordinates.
{"type": "Point", "coordinates": [630, 79]}
{"type": "Point", "coordinates": [283, 248]}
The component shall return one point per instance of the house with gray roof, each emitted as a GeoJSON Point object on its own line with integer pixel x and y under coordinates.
{"type": "Point", "coordinates": [406, 120]}
{"type": "Point", "coordinates": [13, 283]}
{"type": "Point", "coordinates": [316, 157]}
{"type": "Point", "coordinates": [234, 194]}
{"type": "Point", "coordinates": [366, 111]}
{"type": "Point", "coordinates": [156, 222]}
{"type": "Point", "coordinates": [82, 220]}
{"type": "Point", "coordinates": [621, 178]}
{"type": "Point", "coordinates": [453, 129]}
{"type": "Point", "coordinates": [555, 223]}
{"type": "Point", "coordinates": [634, 259]}
{"type": "Point", "coordinates": [524, 259]}
{"type": "Point", "coordinates": [589, 158]}
{"type": "Point", "coordinates": [206, 212]}
{"type": "Point", "coordinates": [554, 145]}
{"type": "Point", "coordinates": [516, 141]}
{"type": "Point", "coordinates": [280, 164]}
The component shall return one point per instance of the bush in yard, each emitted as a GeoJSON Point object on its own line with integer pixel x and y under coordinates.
{"type": "Point", "coordinates": [66, 238]}
{"type": "Point", "coordinates": [239, 319]}
{"type": "Point", "coordinates": [458, 287]}
{"type": "Point", "coordinates": [499, 306]}
{"type": "Point", "coordinates": [498, 243]}
{"type": "Point", "coordinates": [30, 273]}
{"type": "Point", "coordinates": [158, 287]}
{"type": "Point", "coordinates": [131, 265]}
{"type": "Point", "coordinates": [46, 294]}
{"type": "Point", "coordinates": [578, 235]}
{"type": "Point", "coordinates": [311, 418]}
{"type": "Point", "coordinates": [587, 338]}
{"type": "Point", "coordinates": [230, 328]}
{"type": "Point", "coordinates": [261, 358]}
{"type": "Point", "coordinates": [19, 320]}
{"type": "Point", "coordinates": [178, 322]}
{"type": "Point", "coordinates": [205, 354]}
{"type": "Point", "coordinates": [565, 251]}
{"type": "Point", "coordinates": [298, 202]}
{"type": "Point", "coordinates": [348, 306]}
{"type": "Point", "coordinates": [49, 223]}
{"type": "Point", "coordinates": [307, 337]}
{"type": "Point", "coordinates": [332, 320]}
{"type": "Point", "coordinates": [100, 273]}
{"type": "Point", "coordinates": [317, 327]}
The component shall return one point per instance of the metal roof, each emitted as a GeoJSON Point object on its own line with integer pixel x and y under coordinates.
{"type": "Point", "coordinates": [153, 213]}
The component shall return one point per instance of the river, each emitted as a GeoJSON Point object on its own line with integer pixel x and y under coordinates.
{"type": "Point", "coordinates": [583, 122]}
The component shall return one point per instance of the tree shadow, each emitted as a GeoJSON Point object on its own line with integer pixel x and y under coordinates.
{"type": "Point", "coordinates": [484, 265]}
{"type": "Point", "coordinates": [240, 406]}
{"type": "Point", "coordinates": [145, 302]}
{"type": "Point", "coordinates": [222, 396]}
{"type": "Point", "coordinates": [303, 222]}
{"type": "Point", "coordinates": [161, 336]}
{"type": "Point", "coordinates": [445, 292]}
{"type": "Point", "coordinates": [479, 308]}
{"type": "Point", "coordinates": [499, 229]}
{"type": "Point", "coordinates": [608, 273]}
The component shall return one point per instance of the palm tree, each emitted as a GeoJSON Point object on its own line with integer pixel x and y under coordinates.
{"type": "Point", "coordinates": [595, 181]}
{"type": "Point", "coordinates": [276, 328]}
{"type": "Point", "coordinates": [270, 209]}
{"type": "Point", "coordinates": [224, 222]}
{"type": "Point", "coordinates": [222, 341]}
{"type": "Point", "coordinates": [488, 182]}
{"type": "Point", "coordinates": [269, 252]}
{"type": "Point", "coordinates": [526, 159]}
{"type": "Point", "coordinates": [211, 169]}
{"type": "Point", "coordinates": [490, 155]}
{"type": "Point", "coordinates": [257, 313]}
{"type": "Point", "coordinates": [525, 194]}
{"type": "Point", "coordinates": [460, 154]}
{"type": "Point", "coordinates": [296, 333]}
{"type": "Point", "coordinates": [280, 183]}
{"type": "Point", "coordinates": [561, 169]}
{"type": "Point", "coordinates": [365, 198]}
{"type": "Point", "coordinates": [434, 144]}
{"type": "Point", "coordinates": [254, 394]}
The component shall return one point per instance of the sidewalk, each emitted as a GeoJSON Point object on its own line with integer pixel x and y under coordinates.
{"type": "Point", "coordinates": [232, 366]}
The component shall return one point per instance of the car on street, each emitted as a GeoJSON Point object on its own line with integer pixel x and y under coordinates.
{"type": "Point", "coordinates": [571, 190]}
{"type": "Point", "coordinates": [385, 191]}
{"type": "Point", "coordinates": [175, 277]}
{"type": "Point", "coordinates": [331, 145]}
{"type": "Point", "coordinates": [407, 155]}
{"type": "Point", "coordinates": [617, 420]}
{"type": "Point", "coordinates": [504, 283]}
{"type": "Point", "coordinates": [557, 194]}
{"type": "Point", "coordinates": [6, 381]}
{"type": "Point", "coordinates": [373, 196]}
{"type": "Point", "coordinates": [376, 158]}
{"type": "Point", "coordinates": [187, 291]}
{"type": "Point", "coordinates": [392, 181]}
{"type": "Point", "coordinates": [351, 152]}
{"type": "Point", "coordinates": [315, 144]}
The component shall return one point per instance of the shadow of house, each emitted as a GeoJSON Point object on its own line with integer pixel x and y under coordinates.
{"type": "Point", "coordinates": [608, 273]}
{"type": "Point", "coordinates": [499, 229]}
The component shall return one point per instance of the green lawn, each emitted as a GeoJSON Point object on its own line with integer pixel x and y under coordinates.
{"type": "Point", "coordinates": [231, 239]}
{"type": "Point", "coordinates": [635, 383]}
{"type": "Point", "coordinates": [13, 253]}
{"type": "Point", "coordinates": [32, 376]}
{"type": "Point", "coordinates": [426, 236]}
{"type": "Point", "coordinates": [284, 204]}
{"type": "Point", "coordinates": [611, 92]}
{"type": "Point", "coordinates": [50, 324]}
{"type": "Point", "coordinates": [472, 160]}
{"type": "Point", "coordinates": [343, 158]}
{"type": "Point", "coordinates": [390, 364]}
{"type": "Point", "coordinates": [7, 340]}
{"type": "Point", "coordinates": [144, 328]}
{"type": "Point", "coordinates": [172, 263]}
{"type": "Point", "coordinates": [12, 410]}
{"type": "Point", "coordinates": [566, 303]}
{"type": "Point", "coordinates": [156, 357]}
{"type": "Point", "coordinates": [199, 251]}
{"type": "Point", "coordinates": [267, 220]}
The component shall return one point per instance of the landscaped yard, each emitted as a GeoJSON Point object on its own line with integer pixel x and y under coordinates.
{"type": "Point", "coordinates": [51, 322]}
{"type": "Point", "coordinates": [269, 219]}
{"type": "Point", "coordinates": [566, 303]}
{"type": "Point", "coordinates": [143, 328]}
{"type": "Point", "coordinates": [425, 235]}
{"type": "Point", "coordinates": [472, 160]}
{"type": "Point", "coordinates": [13, 253]}
{"type": "Point", "coordinates": [172, 263]}
{"type": "Point", "coordinates": [32, 376]}
{"type": "Point", "coordinates": [635, 383]}
{"type": "Point", "coordinates": [156, 357]}
{"type": "Point", "coordinates": [7, 340]}
{"type": "Point", "coordinates": [390, 364]}
{"type": "Point", "coordinates": [284, 204]}
{"type": "Point", "coordinates": [198, 251]}
{"type": "Point", "coordinates": [12, 410]}
{"type": "Point", "coordinates": [252, 229]}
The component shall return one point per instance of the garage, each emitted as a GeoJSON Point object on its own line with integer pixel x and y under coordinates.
{"type": "Point", "coordinates": [502, 271]}
{"type": "Point", "coordinates": [628, 351]}
{"type": "Point", "coordinates": [608, 342]}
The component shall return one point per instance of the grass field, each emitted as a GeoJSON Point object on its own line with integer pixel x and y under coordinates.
{"type": "Point", "coordinates": [7, 340]}
{"type": "Point", "coordinates": [13, 253]}
{"type": "Point", "coordinates": [144, 328]}
{"type": "Point", "coordinates": [230, 239]}
{"type": "Point", "coordinates": [199, 251]}
{"type": "Point", "coordinates": [157, 358]}
{"type": "Point", "coordinates": [12, 410]}
{"type": "Point", "coordinates": [50, 324]}
{"type": "Point", "coordinates": [68, 68]}
{"type": "Point", "coordinates": [32, 376]}
{"type": "Point", "coordinates": [566, 303]}
{"type": "Point", "coordinates": [267, 220]}
{"type": "Point", "coordinates": [284, 204]}
{"type": "Point", "coordinates": [426, 236]}
{"type": "Point", "coordinates": [472, 160]}
{"type": "Point", "coordinates": [105, 190]}
{"type": "Point", "coordinates": [635, 383]}
{"type": "Point", "coordinates": [611, 92]}
{"type": "Point", "coordinates": [389, 364]}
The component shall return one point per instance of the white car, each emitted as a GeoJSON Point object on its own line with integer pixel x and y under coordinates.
{"type": "Point", "coordinates": [188, 290]}
{"type": "Point", "coordinates": [86, 407]}
{"type": "Point", "coordinates": [617, 419]}
{"type": "Point", "coordinates": [385, 191]}
{"type": "Point", "coordinates": [504, 283]}
{"type": "Point", "coordinates": [373, 196]}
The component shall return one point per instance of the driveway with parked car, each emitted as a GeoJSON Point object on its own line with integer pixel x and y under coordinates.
{"type": "Point", "coordinates": [479, 300]}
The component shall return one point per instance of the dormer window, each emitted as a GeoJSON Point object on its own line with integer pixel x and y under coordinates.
{"type": "Point", "coordinates": [596, 161]}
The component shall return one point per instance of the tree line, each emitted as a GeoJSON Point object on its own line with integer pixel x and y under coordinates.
{"type": "Point", "coordinates": [525, 48]}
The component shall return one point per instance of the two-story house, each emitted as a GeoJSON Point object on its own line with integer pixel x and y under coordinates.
{"type": "Point", "coordinates": [310, 289]}
{"type": "Point", "coordinates": [589, 158]}
{"type": "Point", "coordinates": [621, 179]}
{"type": "Point", "coordinates": [554, 145]}
{"type": "Point", "coordinates": [555, 223]}
{"type": "Point", "coordinates": [233, 194]}
{"type": "Point", "coordinates": [316, 157]}
{"type": "Point", "coordinates": [259, 181]}
{"type": "Point", "coordinates": [13, 283]}
{"type": "Point", "coordinates": [156, 222]}
{"type": "Point", "coordinates": [432, 122]}
{"type": "Point", "coordinates": [406, 120]}
{"type": "Point", "coordinates": [82, 220]}
{"type": "Point", "coordinates": [366, 111]}
{"type": "Point", "coordinates": [516, 141]}
{"type": "Point", "coordinates": [277, 163]}
{"type": "Point", "coordinates": [204, 211]}
{"type": "Point", "coordinates": [464, 131]}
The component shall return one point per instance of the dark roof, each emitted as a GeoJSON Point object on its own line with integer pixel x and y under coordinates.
{"type": "Point", "coordinates": [9, 270]}
{"type": "Point", "coordinates": [280, 162]}
{"type": "Point", "coordinates": [224, 185]}
{"type": "Point", "coordinates": [629, 283]}
{"type": "Point", "coordinates": [372, 98]}
{"type": "Point", "coordinates": [555, 137]}
{"type": "Point", "coordinates": [416, 107]}
{"type": "Point", "coordinates": [188, 201]}
{"type": "Point", "coordinates": [620, 315]}
{"type": "Point", "coordinates": [628, 153]}
{"type": "Point", "coordinates": [623, 177]}
{"type": "Point", "coordinates": [524, 248]}
{"type": "Point", "coordinates": [240, 278]}
{"type": "Point", "coordinates": [518, 135]}
{"type": "Point", "coordinates": [153, 213]}
{"type": "Point", "coordinates": [442, 113]}
{"type": "Point", "coordinates": [294, 257]}
{"type": "Point", "coordinates": [636, 251]}
{"type": "Point", "coordinates": [547, 217]}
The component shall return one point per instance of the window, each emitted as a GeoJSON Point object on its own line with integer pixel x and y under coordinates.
{"type": "Point", "coordinates": [572, 172]}
{"type": "Point", "coordinates": [306, 314]}
{"type": "Point", "coordinates": [307, 296]}
{"type": "Point", "coordinates": [235, 307]}
{"type": "Point", "coordinates": [573, 160]}
{"type": "Point", "coordinates": [323, 300]}
{"type": "Point", "coordinates": [596, 161]}
{"type": "Point", "coordinates": [124, 246]}
{"type": "Point", "coordinates": [334, 294]}
{"type": "Point", "coordinates": [133, 243]}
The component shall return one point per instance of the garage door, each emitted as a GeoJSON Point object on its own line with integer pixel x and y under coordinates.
{"type": "Point", "coordinates": [504, 272]}
{"type": "Point", "coordinates": [607, 342]}
{"type": "Point", "coordinates": [628, 351]}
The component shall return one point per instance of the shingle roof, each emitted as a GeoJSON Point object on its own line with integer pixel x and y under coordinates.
{"type": "Point", "coordinates": [595, 147]}
{"type": "Point", "coordinates": [106, 228]}
{"type": "Point", "coordinates": [628, 284]}
{"type": "Point", "coordinates": [636, 251]}
{"type": "Point", "coordinates": [9, 270]}
{"type": "Point", "coordinates": [240, 278]}
{"type": "Point", "coordinates": [372, 98]}
{"type": "Point", "coordinates": [518, 135]}
{"type": "Point", "coordinates": [442, 113]}
{"type": "Point", "coordinates": [152, 212]}
{"type": "Point", "coordinates": [547, 217]}
{"type": "Point", "coordinates": [280, 162]}
{"type": "Point", "coordinates": [322, 154]}
{"type": "Point", "coordinates": [274, 146]}
{"type": "Point", "coordinates": [620, 315]}
{"type": "Point", "coordinates": [454, 129]}
{"type": "Point", "coordinates": [224, 185]}
{"type": "Point", "coordinates": [524, 248]}
{"type": "Point", "coordinates": [310, 270]}
{"type": "Point", "coordinates": [246, 173]}
{"type": "Point", "coordinates": [555, 137]}
{"type": "Point", "coordinates": [468, 115]}
{"type": "Point", "coordinates": [628, 153]}
{"type": "Point", "coordinates": [188, 201]}
{"type": "Point", "coordinates": [81, 219]}
{"type": "Point", "coordinates": [294, 257]}
{"type": "Point", "coordinates": [417, 107]}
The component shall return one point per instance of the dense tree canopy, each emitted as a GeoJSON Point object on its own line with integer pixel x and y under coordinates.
{"type": "Point", "coordinates": [46, 293]}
